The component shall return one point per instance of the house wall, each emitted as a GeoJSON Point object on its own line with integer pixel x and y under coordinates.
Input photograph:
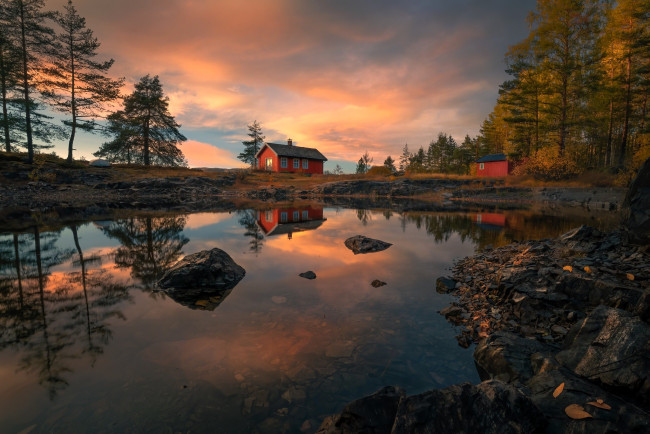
{"type": "Point", "coordinates": [493, 169]}
{"type": "Point", "coordinates": [315, 166]}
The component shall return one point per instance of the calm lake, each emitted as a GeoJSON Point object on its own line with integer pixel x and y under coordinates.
{"type": "Point", "coordinates": [87, 343]}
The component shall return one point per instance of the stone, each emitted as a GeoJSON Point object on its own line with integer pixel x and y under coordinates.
{"type": "Point", "coordinates": [451, 311]}
{"type": "Point", "coordinates": [490, 407]}
{"type": "Point", "coordinates": [361, 244]}
{"type": "Point", "coordinates": [308, 275]}
{"type": "Point", "coordinates": [209, 274]}
{"type": "Point", "coordinates": [610, 346]}
{"type": "Point", "coordinates": [445, 285]}
{"type": "Point", "coordinates": [371, 414]}
{"type": "Point", "coordinates": [377, 283]}
{"type": "Point", "coordinates": [99, 162]}
{"type": "Point", "coordinates": [636, 206]}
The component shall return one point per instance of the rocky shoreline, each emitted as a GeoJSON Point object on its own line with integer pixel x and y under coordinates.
{"type": "Point", "coordinates": [563, 334]}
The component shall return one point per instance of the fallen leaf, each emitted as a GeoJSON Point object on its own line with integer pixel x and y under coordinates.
{"type": "Point", "coordinates": [519, 298]}
{"type": "Point", "coordinates": [588, 269]}
{"type": "Point", "coordinates": [575, 411]}
{"type": "Point", "coordinates": [558, 390]}
{"type": "Point", "coordinates": [568, 268]}
{"type": "Point", "coordinates": [600, 404]}
{"type": "Point", "coordinates": [629, 276]}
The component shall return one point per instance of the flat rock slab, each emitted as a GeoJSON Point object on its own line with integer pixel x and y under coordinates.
{"type": "Point", "coordinates": [201, 275]}
{"type": "Point", "coordinates": [360, 244]}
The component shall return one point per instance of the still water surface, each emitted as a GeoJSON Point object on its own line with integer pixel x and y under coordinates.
{"type": "Point", "coordinates": [87, 344]}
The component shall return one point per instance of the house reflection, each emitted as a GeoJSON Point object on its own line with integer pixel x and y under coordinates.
{"type": "Point", "coordinates": [280, 221]}
{"type": "Point", "coordinates": [490, 221]}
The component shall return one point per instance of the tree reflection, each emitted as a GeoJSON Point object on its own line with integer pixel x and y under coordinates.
{"type": "Point", "coordinates": [248, 221]}
{"type": "Point", "coordinates": [150, 245]}
{"type": "Point", "coordinates": [44, 313]}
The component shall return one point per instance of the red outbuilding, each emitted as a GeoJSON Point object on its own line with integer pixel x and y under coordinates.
{"type": "Point", "coordinates": [493, 165]}
{"type": "Point", "coordinates": [289, 158]}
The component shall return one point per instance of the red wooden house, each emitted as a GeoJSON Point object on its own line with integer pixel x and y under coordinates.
{"type": "Point", "coordinates": [493, 165]}
{"type": "Point", "coordinates": [282, 221]}
{"type": "Point", "coordinates": [289, 158]}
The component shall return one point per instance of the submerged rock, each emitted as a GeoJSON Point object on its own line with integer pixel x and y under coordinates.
{"type": "Point", "coordinates": [207, 275]}
{"type": "Point", "coordinates": [360, 244]}
{"type": "Point", "coordinates": [377, 283]}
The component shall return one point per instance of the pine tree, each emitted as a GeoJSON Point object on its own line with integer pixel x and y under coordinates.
{"type": "Point", "coordinates": [252, 146]}
{"type": "Point", "coordinates": [146, 128]}
{"type": "Point", "coordinates": [404, 158]}
{"type": "Point", "coordinates": [390, 164]}
{"type": "Point", "coordinates": [75, 83]}
{"type": "Point", "coordinates": [24, 21]}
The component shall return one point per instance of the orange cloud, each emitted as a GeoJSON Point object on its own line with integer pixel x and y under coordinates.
{"type": "Point", "coordinates": [205, 155]}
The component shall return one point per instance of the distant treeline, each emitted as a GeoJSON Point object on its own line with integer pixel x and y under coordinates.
{"type": "Point", "coordinates": [577, 98]}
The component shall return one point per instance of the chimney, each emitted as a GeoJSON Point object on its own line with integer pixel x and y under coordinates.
{"type": "Point", "coordinates": [290, 142]}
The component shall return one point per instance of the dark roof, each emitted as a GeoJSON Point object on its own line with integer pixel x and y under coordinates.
{"type": "Point", "coordinates": [288, 228]}
{"type": "Point", "coordinates": [492, 157]}
{"type": "Point", "coordinates": [295, 151]}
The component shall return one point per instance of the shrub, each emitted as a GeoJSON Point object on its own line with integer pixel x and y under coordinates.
{"type": "Point", "coordinates": [379, 171]}
{"type": "Point", "coordinates": [548, 165]}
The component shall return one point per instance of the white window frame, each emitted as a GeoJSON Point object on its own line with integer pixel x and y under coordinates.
{"type": "Point", "coordinates": [269, 164]}
{"type": "Point", "coordinates": [296, 163]}
{"type": "Point", "coordinates": [296, 216]}
{"type": "Point", "coordinates": [283, 163]}
{"type": "Point", "coordinates": [284, 216]}
{"type": "Point", "coordinates": [305, 163]}
{"type": "Point", "coordinates": [481, 166]}
{"type": "Point", "coordinates": [305, 214]}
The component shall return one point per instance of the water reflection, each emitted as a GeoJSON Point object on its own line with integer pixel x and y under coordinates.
{"type": "Point", "coordinates": [287, 221]}
{"type": "Point", "coordinates": [150, 246]}
{"type": "Point", "coordinates": [278, 354]}
{"type": "Point", "coordinates": [54, 318]}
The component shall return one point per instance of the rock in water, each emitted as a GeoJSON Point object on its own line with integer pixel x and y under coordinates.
{"type": "Point", "coordinates": [308, 275]}
{"type": "Point", "coordinates": [377, 283]}
{"type": "Point", "coordinates": [361, 244]}
{"type": "Point", "coordinates": [201, 275]}
{"type": "Point", "coordinates": [636, 206]}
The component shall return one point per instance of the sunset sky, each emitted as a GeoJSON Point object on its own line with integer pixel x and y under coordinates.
{"type": "Point", "coordinates": [344, 76]}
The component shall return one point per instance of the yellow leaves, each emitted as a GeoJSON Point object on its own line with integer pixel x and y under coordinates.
{"type": "Point", "coordinates": [588, 269]}
{"type": "Point", "coordinates": [568, 268]}
{"type": "Point", "coordinates": [629, 276]}
{"type": "Point", "coordinates": [558, 390]}
{"type": "Point", "coordinates": [575, 411]}
{"type": "Point", "coordinates": [600, 404]}
{"type": "Point", "coordinates": [202, 303]}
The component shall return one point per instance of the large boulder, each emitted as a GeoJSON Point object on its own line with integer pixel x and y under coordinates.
{"type": "Point", "coordinates": [99, 162]}
{"type": "Point", "coordinates": [612, 347]}
{"type": "Point", "coordinates": [372, 414]}
{"type": "Point", "coordinates": [490, 407]}
{"type": "Point", "coordinates": [636, 206]}
{"type": "Point", "coordinates": [207, 275]}
{"type": "Point", "coordinates": [360, 244]}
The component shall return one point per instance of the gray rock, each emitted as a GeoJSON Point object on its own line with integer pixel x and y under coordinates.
{"type": "Point", "coordinates": [360, 244]}
{"type": "Point", "coordinates": [490, 407]}
{"type": "Point", "coordinates": [99, 162]}
{"type": "Point", "coordinates": [371, 414]}
{"type": "Point", "coordinates": [507, 357]}
{"type": "Point", "coordinates": [308, 275]}
{"type": "Point", "coordinates": [636, 206]}
{"type": "Point", "coordinates": [445, 285]}
{"type": "Point", "coordinates": [377, 283]}
{"type": "Point", "coordinates": [610, 346]}
{"type": "Point", "coordinates": [199, 276]}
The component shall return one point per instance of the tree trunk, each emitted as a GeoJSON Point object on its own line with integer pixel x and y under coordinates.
{"type": "Point", "coordinates": [28, 115]}
{"type": "Point", "coordinates": [73, 101]}
{"type": "Point", "coordinates": [628, 103]}
{"type": "Point", "coordinates": [5, 113]}
{"type": "Point", "coordinates": [146, 142]}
